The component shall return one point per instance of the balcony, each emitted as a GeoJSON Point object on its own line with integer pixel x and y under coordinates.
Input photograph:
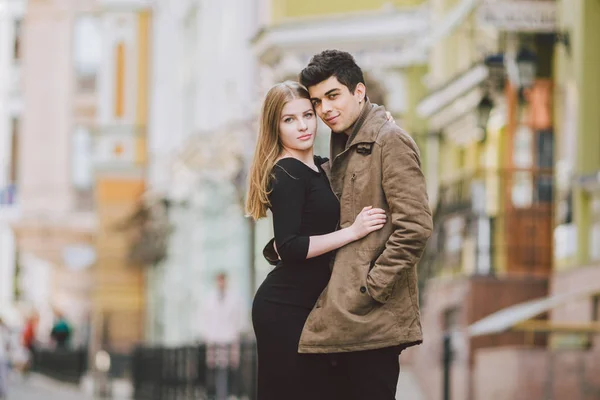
{"type": "Point", "coordinates": [493, 222]}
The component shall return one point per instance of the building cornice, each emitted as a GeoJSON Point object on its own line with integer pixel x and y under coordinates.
{"type": "Point", "coordinates": [379, 36]}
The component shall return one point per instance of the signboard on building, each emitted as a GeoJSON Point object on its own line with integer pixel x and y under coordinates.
{"type": "Point", "coordinates": [519, 16]}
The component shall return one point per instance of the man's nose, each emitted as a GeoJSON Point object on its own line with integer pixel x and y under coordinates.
{"type": "Point", "coordinates": [326, 107]}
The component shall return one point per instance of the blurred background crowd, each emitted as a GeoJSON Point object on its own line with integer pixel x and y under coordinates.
{"type": "Point", "coordinates": [126, 131]}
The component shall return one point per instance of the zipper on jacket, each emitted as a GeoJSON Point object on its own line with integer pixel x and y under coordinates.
{"type": "Point", "coordinates": [352, 179]}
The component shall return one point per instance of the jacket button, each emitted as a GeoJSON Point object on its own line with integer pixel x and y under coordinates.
{"type": "Point", "coordinates": [363, 289]}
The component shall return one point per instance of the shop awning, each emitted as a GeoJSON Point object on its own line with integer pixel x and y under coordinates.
{"type": "Point", "coordinates": [510, 317]}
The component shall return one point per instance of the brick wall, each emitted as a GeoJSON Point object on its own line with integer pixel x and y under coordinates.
{"type": "Point", "coordinates": [470, 299]}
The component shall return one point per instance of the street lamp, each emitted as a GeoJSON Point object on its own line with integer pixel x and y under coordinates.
{"type": "Point", "coordinates": [527, 67]}
{"type": "Point", "coordinates": [484, 108]}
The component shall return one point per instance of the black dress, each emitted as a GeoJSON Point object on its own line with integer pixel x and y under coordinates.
{"type": "Point", "coordinates": [303, 205]}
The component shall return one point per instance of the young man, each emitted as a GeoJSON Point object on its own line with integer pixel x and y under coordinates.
{"type": "Point", "coordinates": [369, 312]}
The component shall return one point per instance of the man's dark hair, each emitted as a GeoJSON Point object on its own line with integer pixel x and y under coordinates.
{"type": "Point", "coordinates": [330, 63]}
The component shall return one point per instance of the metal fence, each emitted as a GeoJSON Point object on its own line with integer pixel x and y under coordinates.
{"type": "Point", "coordinates": [199, 372]}
{"type": "Point", "coordinates": [61, 364]}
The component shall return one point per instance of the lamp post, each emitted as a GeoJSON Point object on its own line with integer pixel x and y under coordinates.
{"type": "Point", "coordinates": [484, 108]}
{"type": "Point", "coordinates": [446, 361]}
{"type": "Point", "coordinates": [527, 67]}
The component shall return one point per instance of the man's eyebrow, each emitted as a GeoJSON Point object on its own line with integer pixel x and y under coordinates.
{"type": "Point", "coordinates": [331, 91]}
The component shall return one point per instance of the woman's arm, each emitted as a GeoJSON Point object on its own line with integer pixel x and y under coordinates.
{"type": "Point", "coordinates": [369, 220]}
{"type": "Point", "coordinates": [288, 197]}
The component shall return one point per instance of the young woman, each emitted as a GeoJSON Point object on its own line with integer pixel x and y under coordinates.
{"type": "Point", "coordinates": [288, 179]}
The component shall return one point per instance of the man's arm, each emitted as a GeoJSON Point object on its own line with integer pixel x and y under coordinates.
{"type": "Point", "coordinates": [405, 191]}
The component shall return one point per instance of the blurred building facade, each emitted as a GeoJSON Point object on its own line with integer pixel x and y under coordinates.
{"type": "Point", "coordinates": [82, 167]}
{"type": "Point", "coordinates": [496, 70]}
{"type": "Point", "coordinates": [119, 143]}
{"type": "Point", "coordinates": [55, 227]}
{"type": "Point", "coordinates": [577, 231]}
{"type": "Point", "coordinates": [203, 112]}
{"type": "Point", "coordinates": [11, 106]}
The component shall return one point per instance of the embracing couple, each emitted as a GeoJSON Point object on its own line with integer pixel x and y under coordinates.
{"type": "Point", "coordinates": [341, 304]}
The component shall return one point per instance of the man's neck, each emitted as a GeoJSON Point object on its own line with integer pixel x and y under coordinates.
{"type": "Point", "coordinates": [349, 131]}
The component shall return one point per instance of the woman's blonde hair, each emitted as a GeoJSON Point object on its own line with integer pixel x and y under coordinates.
{"type": "Point", "coordinates": [268, 145]}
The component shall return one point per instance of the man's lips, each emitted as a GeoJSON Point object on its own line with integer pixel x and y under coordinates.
{"type": "Point", "coordinates": [331, 119]}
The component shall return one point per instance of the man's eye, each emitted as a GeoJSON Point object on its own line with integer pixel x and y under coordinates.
{"type": "Point", "coordinates": [332, 96]}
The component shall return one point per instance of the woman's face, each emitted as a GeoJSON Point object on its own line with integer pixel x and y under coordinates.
{"type": "Point", "coordinates": [298, 126]}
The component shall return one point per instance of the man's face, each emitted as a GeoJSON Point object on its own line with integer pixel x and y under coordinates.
{"type": "Point", "coordinates": [334, 103]}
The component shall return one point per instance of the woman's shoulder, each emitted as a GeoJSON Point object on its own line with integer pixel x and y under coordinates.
{"type": "Point", "coordinates": [320, 160]}
{"type": "Point", "coordinates": [288, 170]}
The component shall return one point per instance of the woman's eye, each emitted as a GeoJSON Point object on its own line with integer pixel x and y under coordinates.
{"type": "Point", "coordinates": [288, 120]}
{"type": "Point", "coordinates": [309, 115]}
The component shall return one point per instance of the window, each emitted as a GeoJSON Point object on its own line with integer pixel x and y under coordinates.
{"type": "Point", "coordinates": [87, 51]}
{"type": "Point", "coordinates": [14, 156]}
{"type": "Point", "coordinates": [82, 177]}
{"type": "Point", "coordinates": [594, 340]}
{"type": "Point", "coordinates": [17, 41]}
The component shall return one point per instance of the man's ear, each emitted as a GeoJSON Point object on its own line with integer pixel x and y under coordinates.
{"type": "Point", "coordinates": [360, 90]}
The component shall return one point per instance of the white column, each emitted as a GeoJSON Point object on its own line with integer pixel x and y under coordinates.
{"type": "Point", "coordinates": [7, 267]}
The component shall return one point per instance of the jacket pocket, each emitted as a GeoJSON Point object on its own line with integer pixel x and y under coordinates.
{"type": "Point", "coordinates": [360, 301]}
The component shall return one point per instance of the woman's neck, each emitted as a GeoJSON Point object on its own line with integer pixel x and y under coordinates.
{"type": "Point", "coordinates": [307, 156]}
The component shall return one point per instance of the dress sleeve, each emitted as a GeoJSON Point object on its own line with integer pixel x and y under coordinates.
{"type": "Point", "coordinates": [288, 197]}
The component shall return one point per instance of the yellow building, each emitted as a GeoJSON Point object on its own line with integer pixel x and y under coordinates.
{"type": "Point", "coordinates": [577, 232]}
{"type": "Point", "coordinates": [489, 122]}
{"type": "Point", "coordinates": [120, 142]}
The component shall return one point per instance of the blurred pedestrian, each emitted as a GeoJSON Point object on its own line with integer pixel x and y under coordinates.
{"type": "Point", "coordinates": [222, 321]}
{"type": "Point", "coordinates": [61, 331]}
{"type": "Point", "coordinates": [287, 178]}
{"type": "Point", "coordinates": [28, 339]}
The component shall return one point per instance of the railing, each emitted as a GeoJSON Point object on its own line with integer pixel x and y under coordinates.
{"type": "Point", "coordinates": [63, 365]}
{"type": "Point", "coordinates": [198, 372]}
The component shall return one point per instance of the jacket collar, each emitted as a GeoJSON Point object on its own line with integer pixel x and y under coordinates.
{"type": "Point", "coordinates": [365, 129]}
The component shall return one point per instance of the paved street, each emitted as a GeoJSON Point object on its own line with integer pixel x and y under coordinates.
{"type": "Point", "coordinates": [40, 388]}
{"type": "Point", "coordinates": [408, 389]}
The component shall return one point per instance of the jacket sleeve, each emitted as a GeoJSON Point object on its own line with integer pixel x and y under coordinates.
{"type": "Point", "coordinates": [288, 197]}
{"type": "Point", "coordinates": [406, 194]}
